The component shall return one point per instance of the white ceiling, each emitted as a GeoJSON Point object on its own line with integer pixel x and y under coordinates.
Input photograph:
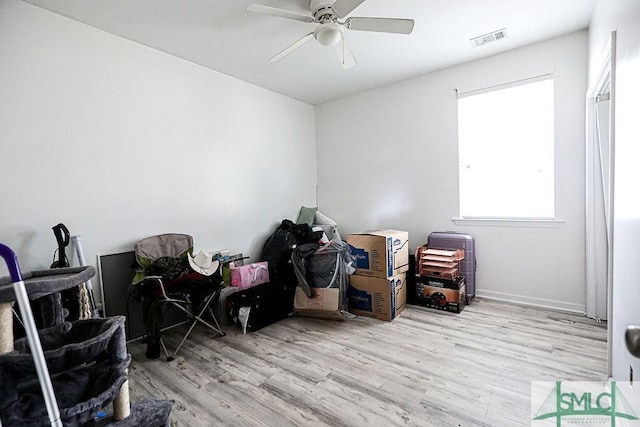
{"type": "Point", "coordinates": [221, 35]}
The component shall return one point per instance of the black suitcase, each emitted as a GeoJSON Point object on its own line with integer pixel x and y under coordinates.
{"type": "Point", "coordinates": [264, 305]}
{"type": "Point", "coordinates": [411, 281]}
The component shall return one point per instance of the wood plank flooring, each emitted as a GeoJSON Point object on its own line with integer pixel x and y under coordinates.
{"type": "Point", "coordinates": [426, 368]}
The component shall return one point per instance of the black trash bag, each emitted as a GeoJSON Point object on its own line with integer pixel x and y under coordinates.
{"type": "Point", "coordinates": [325, 266]}
{"type": "Point", "coordinates": [279, 246]}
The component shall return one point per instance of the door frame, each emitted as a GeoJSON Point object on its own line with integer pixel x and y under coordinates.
{"type": "Point", "coordinates": [606, 76]}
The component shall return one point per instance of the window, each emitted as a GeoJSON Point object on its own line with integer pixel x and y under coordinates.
{"type": "Point", "coordinates": [505, 146]}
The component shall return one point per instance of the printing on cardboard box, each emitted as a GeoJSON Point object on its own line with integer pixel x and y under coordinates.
{"type": "Point", "coordinates": [380, 253]}
{"type": "Point", "coordinates": [382, 299]}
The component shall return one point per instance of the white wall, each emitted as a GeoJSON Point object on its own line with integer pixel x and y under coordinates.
{"type": "Point", "coordinates": [388, 158]}
{"type": "Point", "coordinates": [624, 17]}
{"type": "Point", "coordinates": [119, 142]}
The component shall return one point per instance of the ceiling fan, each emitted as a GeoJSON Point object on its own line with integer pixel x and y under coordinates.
{"type": "Point", "coordinates": [330, 17]}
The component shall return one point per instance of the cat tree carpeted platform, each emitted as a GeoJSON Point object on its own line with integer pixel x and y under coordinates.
{"type": "Point", "coordinates": [87, 362]}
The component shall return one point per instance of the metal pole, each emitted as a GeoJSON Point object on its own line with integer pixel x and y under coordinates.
{"type": "Point", "coordinates": [32, 336]}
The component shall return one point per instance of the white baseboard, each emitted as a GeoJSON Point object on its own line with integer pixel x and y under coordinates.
{"type": "Point", "coordinates": [532, 301]}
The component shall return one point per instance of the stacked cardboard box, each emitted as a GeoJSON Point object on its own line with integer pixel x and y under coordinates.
{"type": "Point", "coordinates": [438, 281]}
{"type": "Point", "coordinates": [378, 287]}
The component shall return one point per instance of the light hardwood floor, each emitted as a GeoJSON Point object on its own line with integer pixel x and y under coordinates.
{"type": "Point", "coordinates": [426, 368]}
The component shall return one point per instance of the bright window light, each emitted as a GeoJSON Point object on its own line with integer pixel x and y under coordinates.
{"type": "Point", "coordinates": [505, 142]}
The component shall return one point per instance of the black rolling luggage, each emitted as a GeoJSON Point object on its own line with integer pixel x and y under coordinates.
{"type": "Point", "coordinates": [261, 305]}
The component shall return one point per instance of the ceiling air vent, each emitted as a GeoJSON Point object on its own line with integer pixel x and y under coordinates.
{"type": "Point", "coordinates": [488, 38]}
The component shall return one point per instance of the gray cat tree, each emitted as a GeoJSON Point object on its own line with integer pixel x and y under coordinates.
{"type": "Point", "coordinates": [64, 375]}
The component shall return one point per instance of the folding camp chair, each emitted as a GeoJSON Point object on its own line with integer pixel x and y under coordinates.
{"type": "Point", "coordinates": [165, 280]}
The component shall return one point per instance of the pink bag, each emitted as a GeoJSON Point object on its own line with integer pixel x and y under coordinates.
{"type": "Point", "coordinates": [246, 276]}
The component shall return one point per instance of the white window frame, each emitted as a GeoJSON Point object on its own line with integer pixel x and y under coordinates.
{"type": "Point", "coordinates": [519, 221]}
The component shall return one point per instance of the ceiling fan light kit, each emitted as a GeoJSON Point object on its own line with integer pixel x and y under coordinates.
{"type": "Point", "coordinates": [328, 34]}
{"type": "Point", "coordinates": [328, 15]}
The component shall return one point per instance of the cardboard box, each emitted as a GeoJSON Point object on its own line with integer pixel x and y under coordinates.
{"type": "Point", "coordinates": [325, 303]}
{"type": "Point", "coordinates": [441, 294]}
{"type": "Point", "coordinates": [382, 299]}
{"type": "Point", "coordinates": [380, 253]}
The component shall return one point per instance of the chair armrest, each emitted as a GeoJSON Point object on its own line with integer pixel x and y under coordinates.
{"type": "Point", "coordinates": [160, 282]}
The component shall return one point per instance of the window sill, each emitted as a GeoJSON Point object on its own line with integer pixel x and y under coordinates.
{"type": "Point", "coordinates": [507, 222]}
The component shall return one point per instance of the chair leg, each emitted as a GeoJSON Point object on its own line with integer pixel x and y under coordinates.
{"type": "Point", "coordinates": [207, 306]}
{"type": "Point", "coordinates": [184, 338]}
{"type": "Point", "coordinates": [196, 318]}
{"type": "Point", "coordinates": [218, 328]}
{"type": "Point", "coordinates": [164, 349]}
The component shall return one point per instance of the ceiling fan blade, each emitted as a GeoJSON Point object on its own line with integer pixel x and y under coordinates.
{"type": "Point", "coordinates": [345, 55]}
{"type": "Point", "coordinates": [344, 7]}
{"type": "Point", "coordinates": [280, 13]}
{"type": "Point", "coordinates": [291, 48]}
{"type": "Point", "coordinates": [383, 25]}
